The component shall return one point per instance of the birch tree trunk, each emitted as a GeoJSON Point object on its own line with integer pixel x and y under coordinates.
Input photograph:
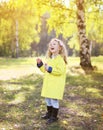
{"type": "Point", "coordinates": [85, 54]}
{"type": "Point", "coordinates": [16, 41]}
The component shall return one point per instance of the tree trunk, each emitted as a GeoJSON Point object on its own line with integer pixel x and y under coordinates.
{"type": "Point", "coordinates": [16, 41]}
{"type": "Point", "coordinates": [85, 54]}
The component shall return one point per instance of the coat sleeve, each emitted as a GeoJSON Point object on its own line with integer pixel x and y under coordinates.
{"type": "Point", "coordinates": [58, 69]}
{"type": "Point", "coordinates": [41, 67]}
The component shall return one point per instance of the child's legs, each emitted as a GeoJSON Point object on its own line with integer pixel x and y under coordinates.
{"type": "Point", "coordinates": [54, 105]}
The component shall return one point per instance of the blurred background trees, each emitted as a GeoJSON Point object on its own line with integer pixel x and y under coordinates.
{"type": "Point", "coordinates": [26, 26]}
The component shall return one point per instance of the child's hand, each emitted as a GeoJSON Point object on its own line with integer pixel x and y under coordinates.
{"type": "Point", "coordinates": [38, 60]}
{"type": "Point", "coordinates": [46, 67]}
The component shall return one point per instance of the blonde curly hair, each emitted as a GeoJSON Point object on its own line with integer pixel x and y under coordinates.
{"type": "Point", "coordinates": [62, 51]}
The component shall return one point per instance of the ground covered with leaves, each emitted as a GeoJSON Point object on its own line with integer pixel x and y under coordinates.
{"type": "Point", "coordinates": [21, 105]}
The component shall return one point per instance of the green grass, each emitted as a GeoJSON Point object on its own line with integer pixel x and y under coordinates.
{"type": "Point", "coordinates": [21, 104]}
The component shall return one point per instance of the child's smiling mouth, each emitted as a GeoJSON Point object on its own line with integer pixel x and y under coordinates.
{"type": "Point", "coordinates": [52, 48]}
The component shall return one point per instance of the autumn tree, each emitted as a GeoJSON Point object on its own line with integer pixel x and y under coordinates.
{"type": "Point", "coordinates": [21, 21]}
{"type": "Point", "coordinates": [77, 14]}
{"type": "Point", "coordinates": [80, 18]}
{"type": "Point", "coordinates": [85, 55]}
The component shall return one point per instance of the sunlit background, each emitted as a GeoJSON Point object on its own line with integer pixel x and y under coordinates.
{"type": "Point", "coordinates": [26, 27]}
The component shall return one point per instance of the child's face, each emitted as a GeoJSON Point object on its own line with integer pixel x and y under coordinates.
{"type": "Point", "coordinates": [54, 47]}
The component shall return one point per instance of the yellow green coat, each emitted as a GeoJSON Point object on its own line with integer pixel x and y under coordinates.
{"type": "Point", "coordinates": [54, 82]}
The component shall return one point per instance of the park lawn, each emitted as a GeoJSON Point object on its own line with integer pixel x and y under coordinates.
{"type": "Point", "coordinates": [21, 104]}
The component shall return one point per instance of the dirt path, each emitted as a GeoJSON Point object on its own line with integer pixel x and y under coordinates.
{"type": "Point", "coordinates": [15, 73]}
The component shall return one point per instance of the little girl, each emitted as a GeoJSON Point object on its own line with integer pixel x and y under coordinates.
{"type": "Point", "coordinates": [54, 78]}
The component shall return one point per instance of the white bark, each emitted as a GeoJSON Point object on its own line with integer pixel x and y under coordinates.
{"type": "Point", "coordinates": [17, 41]}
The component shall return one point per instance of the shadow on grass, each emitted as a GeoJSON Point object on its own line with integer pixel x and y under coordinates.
{"type": "Point", "coordinates": [22, 106]}
{"type": "Point", "coordinates": [84, 100]}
